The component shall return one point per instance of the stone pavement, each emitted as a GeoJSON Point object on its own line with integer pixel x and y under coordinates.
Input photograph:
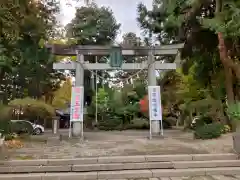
{"type": "Point", "coordinates": [116, 143]}
{"type": "Point", "coordinates": [215, 177]}
{"type": "Point", "coordinates": [220, 177]}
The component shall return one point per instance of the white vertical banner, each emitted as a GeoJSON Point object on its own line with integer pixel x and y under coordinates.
{"type": "Point", "coordinates": [77, 104]}
{"type": "Point", "coordinates": [155, 106]}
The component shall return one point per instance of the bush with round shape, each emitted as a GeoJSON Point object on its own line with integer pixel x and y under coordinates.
{"type": "Point", "coordinates": [201, 121]}
{"type": "Point", "coordinates": [209, 131]}
{"type": "Point", "coordinates": [21, 127]}
{"type": "Point", "coordinates": [33, 108]}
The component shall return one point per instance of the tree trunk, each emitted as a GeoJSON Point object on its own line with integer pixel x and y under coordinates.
{"type": "Point", "coordinates": [227, 61]}
{"type": "Point", "coordinates": [229, 84]}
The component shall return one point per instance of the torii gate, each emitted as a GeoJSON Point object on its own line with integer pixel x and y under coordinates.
{"type": "Point", "coordinates": [81, 51]}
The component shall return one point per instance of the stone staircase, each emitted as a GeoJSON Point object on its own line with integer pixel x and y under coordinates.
{"type": "Point", "coordinates": [153, 167]}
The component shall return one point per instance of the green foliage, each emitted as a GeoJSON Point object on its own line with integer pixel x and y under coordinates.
{"type": "Point", "coordinates": [21, 127]}
{"type": "Point", "coordinates": [63, 95]}
{"type": "Point", "coordinates": [233, 111]}
{"type": "Point", "coordinates": [110, 123]}
{"type": "Point", "coordinates": [9, 137]}
{"type": "Point", "coordinates": [209, 131]}
{"type": "Point", "coordinates": [138, 123]}
{"type": "Point", "coordinates": [202, 121]}
{"type": "Point", "coordinates": [204, 75]}
{"type": "Point", "coordinates": [5, 117]}
{"type": "Point", "coordinates": [33, 108]}
{"type": "Point", "coordinates": [26, 25]}
{"type": "Point", "coordinates": [226, 21]}
{"type": "Point", "coordinates": [5, 127]}
{"type": "Point", "coordinates": [99, 26]}
{"type": "Point", "coordinates": [103, 101]}
{"type": "Point", "coordinates": [121, 107]}
{"type": "Point", "coordinates": [226, 129]}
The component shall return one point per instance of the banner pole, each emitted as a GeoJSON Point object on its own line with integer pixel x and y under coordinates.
{"type": "Point", "coordinates": [161, 128]}
{"type": "Point", "coordinates": [70, 129]}
{"type": "Point", "coordinates": [82, 130]}
{"type": "Point", "coordinates": [150, 129]}
{"type": "Point", "coordinates": [149, 113]}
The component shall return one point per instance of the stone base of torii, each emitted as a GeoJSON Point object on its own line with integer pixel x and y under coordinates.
{"type": "Point", "coordinates": [150, 64]}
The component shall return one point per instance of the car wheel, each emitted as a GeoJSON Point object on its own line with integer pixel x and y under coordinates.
{"type": "Point", "coordinates": [37, 131]}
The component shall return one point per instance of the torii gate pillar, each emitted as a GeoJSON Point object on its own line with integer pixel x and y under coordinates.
{"type": "Point", "coordinates": [152, 81]}
{"type": "Point", "coordinates": [79, 81]}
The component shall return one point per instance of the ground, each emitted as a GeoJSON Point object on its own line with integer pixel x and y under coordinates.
{"type": "Point", "coordinates": [197, 178]}
{"type": "Point", "coordinates": [118, 143]}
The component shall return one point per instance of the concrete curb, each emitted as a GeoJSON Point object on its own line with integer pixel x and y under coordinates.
{"type": "Point", "coordinates": [120, 159]}
{"type": "Point", "coordinates": [125, 174]}
{"type": "Point", "coordinates": [121, 166]}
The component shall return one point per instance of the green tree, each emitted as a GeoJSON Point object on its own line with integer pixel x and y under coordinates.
{"type": "Point", "coordinates": [103, 100]}
{"type": "Point", "coordinates": [99, 26]}
{"type": "Point", "coordinates": [62, 96]}
{"type": "Point", "coordinates": [195, 22]}
{"type": "Point", "coordinates": [26, 66]}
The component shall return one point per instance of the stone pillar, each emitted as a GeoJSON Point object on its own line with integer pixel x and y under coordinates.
{"type": "Point", "coordinates": [152, 81]}
{"type": "Point", "coordinates": [79, 81]}
{"type": "Point", "coordinates": [55, 125]}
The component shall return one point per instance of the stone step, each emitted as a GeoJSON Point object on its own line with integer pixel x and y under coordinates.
{"type": "Point", "coordinates": [119, 166]}
{"type": "Point", "coordinates": [120, 159]}
{"type": "Point", "coordinates": [126, 174]}
{"type": "Point", "coordinates": [205, 164]}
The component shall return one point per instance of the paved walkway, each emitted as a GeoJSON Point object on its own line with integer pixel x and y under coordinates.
{"type": "Point", "coordinates": [118, 143]}
{"type": "Point", "coordinates": [220, 177]}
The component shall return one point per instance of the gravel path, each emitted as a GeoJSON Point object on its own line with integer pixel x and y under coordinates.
{"type": "Point", "coordinates": [120, 143]}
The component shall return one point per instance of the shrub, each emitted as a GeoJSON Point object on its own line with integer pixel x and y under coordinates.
{"type": "Point", "coordinates": [169, 122]}
{"type": "Point", "coordinates": [201, 121]}
{"type": "Point", "coordinates": [5, 116]}
{"type": "Point", "coordinates": [21, 127]}
{"type": "Point", "coordinates": [33, 108]}
{"type": "Point", "coordinates": [5, 127]}
{"type": "Point", "coordinates": [138, 124]}
{"type": "Point", "coordinates": [110, 123]}
{"type": "Point", "coordinates": [226, 129]}
{"type": "Point", "coordinates": [209, 131]}
{"type": "Point", "coordinates": [10, 137]}
{"type": "Point", "coordinates": [233, 111]}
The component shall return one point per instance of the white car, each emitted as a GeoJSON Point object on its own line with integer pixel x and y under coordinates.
{"type": "Point", "coordinates": [37, 129]}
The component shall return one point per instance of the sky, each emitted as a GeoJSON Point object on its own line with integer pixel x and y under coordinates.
{"type": "Point", "coordinates": [125, 12]}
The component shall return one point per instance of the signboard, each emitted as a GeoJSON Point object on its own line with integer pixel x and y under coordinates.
{"type": "Point", "coordinates": [77, 103]}
{"type": "Point", "coordinates": [155, 108]}
{"type": "Point", "coordinates": [116, 58]}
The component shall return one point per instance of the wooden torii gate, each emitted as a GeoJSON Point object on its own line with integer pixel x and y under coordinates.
{"type": "Point", "coordinates": [150, 64]}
